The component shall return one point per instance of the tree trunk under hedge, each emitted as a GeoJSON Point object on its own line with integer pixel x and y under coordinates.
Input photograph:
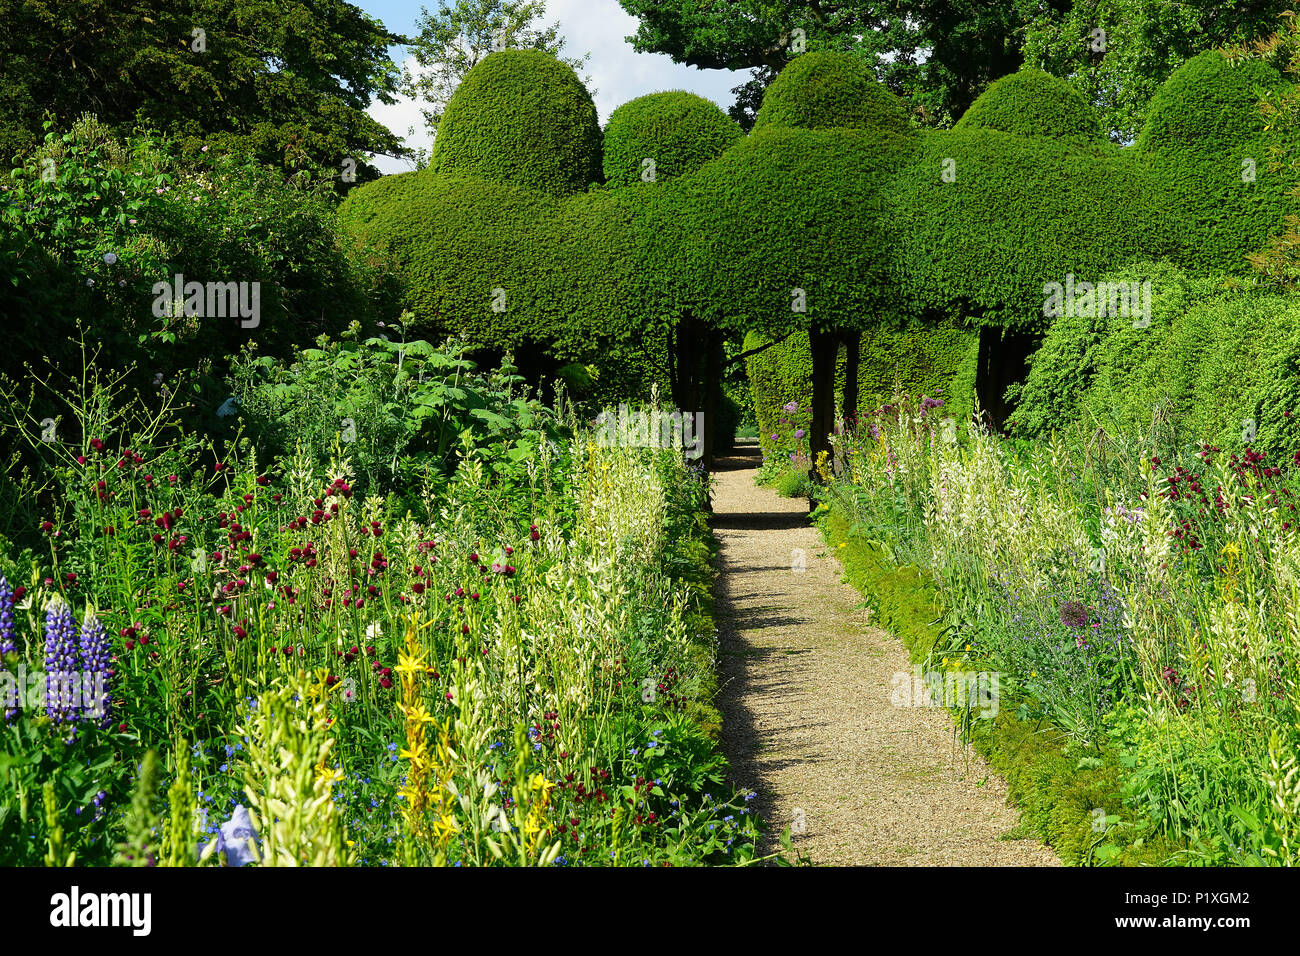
{"type": "Point", "coordinates": [825, 350]}
{"type": "Point", "coordinates": [699, 354]}
{"type": "Point", "coordinates": [852, 356]}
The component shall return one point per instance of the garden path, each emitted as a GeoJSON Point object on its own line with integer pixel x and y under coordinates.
{"type": "Point", "coordinates": [808, 721]}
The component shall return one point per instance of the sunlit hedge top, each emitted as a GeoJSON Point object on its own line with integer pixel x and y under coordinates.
{"type": "Point", "coordinates": [521, 117]}
{"type": "Point", "coordinates": [679, 131]}
{"type": "Point", "coordinates": [1204, 136]}
{"type": "Point", "coordinates": [1034, 103]}
{"type": "Point", "coordinates": [1020, 212]}
{"type": "Point", "coordinates": [367, 209]}
{"type": "Point", "coordinates": [829, 90]}
{"type": "Point", "coordinates": [783, 210]}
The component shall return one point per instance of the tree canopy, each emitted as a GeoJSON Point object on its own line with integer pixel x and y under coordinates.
{"type": "Point", "coordinates": [287, 82]}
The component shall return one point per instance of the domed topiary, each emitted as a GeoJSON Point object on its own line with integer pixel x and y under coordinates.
{"type": "Point", "coordinates": [827, 89]}
{"type": "Point", "coordinates": [1206, 104]}
{"type": "Point", "coordinates": [1033, 103]}
{"type": "Point", "coordinates": [1205, 139]}
{"type": "Point", "coordinates": [678, 131]}
{"type": "Point", "coordinates": [521, 117]}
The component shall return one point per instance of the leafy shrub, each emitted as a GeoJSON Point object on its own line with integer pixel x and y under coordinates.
{"type": "Point", "coordinates": [1204, 138]}
{"type": "Point", "coordinates": [402, 413]}
{"type": "Point", "coordinates": [827, 89]}
{"type": "Point", "coordinates": [521, 117]}
{"type": "Point", "coordinates": [96, 223]}
{"type": "Point", "coordinates": [679, 131]}
{"type": "Point", "coordinates": [1033, 103]}
{"type": "Point", "coordinates": [1216, 365]}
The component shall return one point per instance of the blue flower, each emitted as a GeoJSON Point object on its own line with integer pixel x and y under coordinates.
{"type": "Point", "coordinates": [235, 837]}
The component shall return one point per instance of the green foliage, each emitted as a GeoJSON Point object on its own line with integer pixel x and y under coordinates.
{"type": "Point", "coordinates": [939, 54]}
{"type": "Point", "coordinates": [402, 413]}
{"type": "Point", "coordinates": [830, 90]}
{"type": "Point", "coordinates": [784, 185]}
{"type": "Point", "coordinates": [1215, 358]}
{"type": "Point", "coordinates": [284, 82]}
{"type": "Point", "coordinates": [1204, 140]}
{"type": "Point", "coordinates": [1116, 53]}
{"type": "Point", "coordinates": [1033, 103]}
{"type": "Point", "coordinates": [524, 118]}
{"type": "Point", "coordinates": [678, 131]}
{"type": "Point", "coordinates": [959, 255]}
{"type": "Point", "coordinates": [95, 223]}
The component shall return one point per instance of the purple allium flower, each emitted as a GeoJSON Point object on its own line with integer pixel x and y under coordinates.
{"type": "Point", "coordinates": [61, 678]}
{"type": "Point", "coordinates": [874, 432]}
{"type": "Point", "coordinates": [792, 407]}
{"type": "Point", "coordinates": [95, 670]}
{"type": "Point", "coordinates": [1074, 614]}
{"type": "Point", "coordinates": [799, 433]}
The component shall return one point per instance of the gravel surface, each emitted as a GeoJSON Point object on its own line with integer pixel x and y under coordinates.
{"type": "Point", "coordinates": [808, 720]}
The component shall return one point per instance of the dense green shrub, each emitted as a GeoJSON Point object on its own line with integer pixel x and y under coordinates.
{"type": "Point", "coordinates": [737, 238]}
{"type": "Point", "coordinates": [1020, 212]}
{"type": "Point", "coordinates": [1214, 359]}
{"type": "Point", "coordinates": [521, 117]}
{"type": "Point", "coordinates": [512, 267]}
{"type": "Point", "coordinates": [367, 209]}
{"type": "Point", "coordinates": [679, 131]}
{"type": "Point", "coordinates": [936, 360]}
{"type": "Point", "coordinates": [94, 224]}
{"type": "Point", "coordinates": [1034, 103]}
{"type": "Point", "coordinates": [1204, 140]}
{"type": "Point", "coordinates": [825, 89]}
{"type": "Point", "coordinates": [404, 414]}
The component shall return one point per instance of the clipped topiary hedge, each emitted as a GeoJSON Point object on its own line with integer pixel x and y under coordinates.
{"type": "Point", "coordinates": [734, 240]}
{"type": "Point", "coordinates": [521, 117]}
{"type": "Point", "coordinates": [678, 131]}
{"type": "Point", "coordinates": [1204, 139]}
{"type": "Point", "coordinates": [1020, 212]}
{"type": "Point", "coordinates": [1214, 357]}
{"type": "Point", "coordinates": [824, 90]}
{"type": "Point", "coordinates": [1034, 103]}
{"type": "Point", "coordinates": [935, 360]}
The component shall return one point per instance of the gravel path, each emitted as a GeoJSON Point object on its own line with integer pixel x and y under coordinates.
{"type": "Point", "coordinates": [807, 716]}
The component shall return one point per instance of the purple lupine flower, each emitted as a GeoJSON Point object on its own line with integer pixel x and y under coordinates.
{"type": "Point", "coordinates": [8, 632]}
{"type": "Point", "coordinates": [8, 640]}
{"type": "Point", "coordinates": [61, 678]}
{"type": "Point", "coordinates": [95, 670]}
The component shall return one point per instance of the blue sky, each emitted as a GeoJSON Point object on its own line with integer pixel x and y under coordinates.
{"type": "Point", "coordinates": [598, 27]}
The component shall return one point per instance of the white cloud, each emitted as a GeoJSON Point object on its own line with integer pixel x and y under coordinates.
{"type": "Point", "coordinates": [618, 74]}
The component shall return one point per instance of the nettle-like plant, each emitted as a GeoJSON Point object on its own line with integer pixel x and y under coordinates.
{"type": "Point", "coordinates": [403, 413]}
